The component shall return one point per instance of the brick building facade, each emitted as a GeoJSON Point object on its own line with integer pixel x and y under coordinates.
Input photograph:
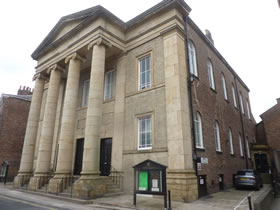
{"type": "Point", "coordinates": [266, 150]}
{"type": "Point", "coordinates": [109, 95]}
{"type": "Point", "coordinates": [217, 102]}
{"type": "Point", "coordinates": [14, 111]}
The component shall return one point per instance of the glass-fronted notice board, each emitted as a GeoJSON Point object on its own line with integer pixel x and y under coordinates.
{"type": "Point", "coordinates": [143, 181]}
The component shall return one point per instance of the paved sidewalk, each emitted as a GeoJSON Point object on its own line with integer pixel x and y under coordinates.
{"type": "Point", "coordinates": [230, 199]}
{"type": "Point", "coordinates": [275, 204]}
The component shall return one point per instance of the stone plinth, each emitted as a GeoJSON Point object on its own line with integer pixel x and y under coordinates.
{"type": "Point", "coordinates": [58, 183]}
{"type": "Point", "coordinates": [37, 181]}
{"type": "Point", "coordinates": [22, 179]}
{"type": "Point", "coordinates": [183, 185]}
{"type": "Point", "coordinates": [89, 187]}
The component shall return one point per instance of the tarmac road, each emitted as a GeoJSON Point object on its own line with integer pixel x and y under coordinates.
{"type": "Point", "coordinates": [15, 200]}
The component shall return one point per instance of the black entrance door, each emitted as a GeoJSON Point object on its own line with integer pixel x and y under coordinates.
{"type": "Point", "coordinates": [262, 165]}
{"type": "Point", "coordinates": [105, 156]}
{"type": "Point", "coordinates": [79, 157]}
{"type": "Point", "coordinates": [202, 185]}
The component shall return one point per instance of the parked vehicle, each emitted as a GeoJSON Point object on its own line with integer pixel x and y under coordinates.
{"type": "Point", "coordinates": [248, 178]}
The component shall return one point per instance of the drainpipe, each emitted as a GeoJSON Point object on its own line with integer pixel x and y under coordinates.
{"type": "Point", "coordinates": [242, 125]}
{"type": "Point", "coordinates": [189, 83]}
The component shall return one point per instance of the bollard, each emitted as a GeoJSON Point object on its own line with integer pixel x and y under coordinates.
{"type": "Point", "coordinates": [169, 200]}
{"type": "Point", "coordinates": [250, 203]}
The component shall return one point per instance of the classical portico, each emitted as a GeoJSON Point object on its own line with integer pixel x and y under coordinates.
{"type": "Point", "coordinates": [86, 54]}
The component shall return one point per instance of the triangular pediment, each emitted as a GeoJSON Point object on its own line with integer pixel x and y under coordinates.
{"type": "Point", "coordinates": [67, 25]}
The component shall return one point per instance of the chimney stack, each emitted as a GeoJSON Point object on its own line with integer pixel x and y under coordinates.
{"type": "Point", "coordinates": [209, 36]}
{"type": "Point", "coordinates": [24, 91]}
{"type": "Point", "coordinates": [278, 100]}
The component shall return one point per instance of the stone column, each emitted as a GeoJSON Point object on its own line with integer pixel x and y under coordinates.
{"type": "Point", "coordinates": [181, 178]}
{"type": "Point", "coordinates": [42, 169]}
{"type": "Point", "coordinates": [26, 163]}
{"type": "Point", "coordinates": [66, 140]}
{"type": "Point", "coordinates": [91, 184]}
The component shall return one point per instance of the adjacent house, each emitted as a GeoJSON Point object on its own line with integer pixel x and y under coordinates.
{"type": "Point", "coordinates": [110, 95]}
{"type": "Point", "coordinates": [14, 111]}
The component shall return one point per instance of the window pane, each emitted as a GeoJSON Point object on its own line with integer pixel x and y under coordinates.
{"type": "Point", "coordinates": [144, 72]}
{"type": "Point", "coordinates": [224, 87]}
{"type": "Point", "coordinates": [233, 95]}
{"type": "Point", "coordinates": [145, 132]}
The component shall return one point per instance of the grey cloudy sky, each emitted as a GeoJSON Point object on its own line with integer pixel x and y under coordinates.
{"type": "Point", "coordinates": [246, 33]}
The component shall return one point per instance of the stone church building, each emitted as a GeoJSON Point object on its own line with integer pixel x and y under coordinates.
{"type": "Point", "coordinates": [111, 94]}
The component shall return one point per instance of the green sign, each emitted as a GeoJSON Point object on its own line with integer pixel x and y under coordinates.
{"type": "Point", "coordinates": [143, 180]}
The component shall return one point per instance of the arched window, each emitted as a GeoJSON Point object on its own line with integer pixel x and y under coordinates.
{"type": "Point", "coordinates": [241, 103]}
{"type": "Point", "coordinates": [217, 137]}
{"type": "Point", "coordinates": [233, 95]}
{"type": "Point", "coordinates": [248, 108]}
{"type": "Point", "coordinates": [230, 142]}
{"type": "Point", "coordinates": [192, 58]}
{"type": "Point", "coordinates": [240, 145]}
{"type": "Point", "coordinates": [198, 130]}
{"type": "Point", "coordinates": [224, 87]}
{"type": "Point", "coordinates": [211, 75]}
{"type": "Point", "coordinates": [247, 147]}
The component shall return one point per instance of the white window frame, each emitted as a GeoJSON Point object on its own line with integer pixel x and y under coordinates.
{"type": "Point", "coordinates": [147, 130]}
{"type": "Point", "coordinates": [231, 149]}
{"type": "Point", "coordinates": [85, 93]}
{"type": "Point", "coordinates": [109, 84]}
{"type": "Point", "coordinates": [198, 130]}
{"type": "Point", "coordinates": [233, 95]}
{"type": "Point", "coordinates": [217, 137]}
{"type": "Point", "coordinates": [248, 109]}
{"type": "Point", "coordinates": [240, 146]}
{"type": "Point", "coordinates": [192, 58]}
{"type": "Point", "coordinates": [211, 75]}
{"type": "Point", "coordinates": [247, 148]}
{"type": "Point", "coordinates": [241, 103]}
{"type": "Point", "coordinates": [224, 87]}
{"type": "Point", "coordinates": [147, 72]}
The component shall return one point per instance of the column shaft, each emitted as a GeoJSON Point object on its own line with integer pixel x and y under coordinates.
{"type": "Point", "coordinates": [66, 140]}
{"type": "Point", "coordinates": [46, 139]}
{"type": "Point", "coordinates": [94, 113]}
{"type": "Point", "coordinates": [26, 164]}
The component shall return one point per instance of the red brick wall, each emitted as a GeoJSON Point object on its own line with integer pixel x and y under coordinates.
{"type": "Point", "coordinates": [212, 106]}
{"type": "Point", "coordinates": [13, 119]}
{"type": "Point", "coordinates": [271, 120]}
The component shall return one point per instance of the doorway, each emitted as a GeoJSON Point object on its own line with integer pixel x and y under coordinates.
{"type": "Point", "coordinates": [105, 156]}
{"type": "Point", "coordinates": [202, 186]}
{"type": "Point", "coordinates": [79, 156]}
{"type": "Point", "coordinates": [221, 181]}
{"type": "Point", "coordinates": [261, 161]}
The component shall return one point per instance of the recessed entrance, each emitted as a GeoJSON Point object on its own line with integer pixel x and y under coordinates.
{"type": "Point", "coordinates": [79, 157]}
{"type": "Point", "coordinates": [202, 186]}
{"type": "Point", "coordinates": [105, 156]}
{"type": "Point", "coordinates": [221, 181]}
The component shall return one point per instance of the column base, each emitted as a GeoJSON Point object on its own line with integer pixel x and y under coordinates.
{"type": "Point", "coordinates": [59, 183]}
{"type": "Point", "coordinates": [89, 187]}
{"type": "Point", "coordinates": [183, 185]}
{"type": "Point", "coordinates": [21, 179]}
{"type": "Point", "coordinates": [38, 181]}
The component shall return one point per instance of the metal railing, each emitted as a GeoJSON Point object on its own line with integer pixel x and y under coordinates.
{"type": "Point", "coordinates": [116, 177]}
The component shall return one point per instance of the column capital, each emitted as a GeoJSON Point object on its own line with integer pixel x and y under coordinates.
{"type": "Point", "coordinates": [56, 67]}
{"type": "Point", "coordinates": [75, 56]}
{"type": "Point", "coordinates": [100, 41]}
{"type": "Point", "coordinates": [39, 76]}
